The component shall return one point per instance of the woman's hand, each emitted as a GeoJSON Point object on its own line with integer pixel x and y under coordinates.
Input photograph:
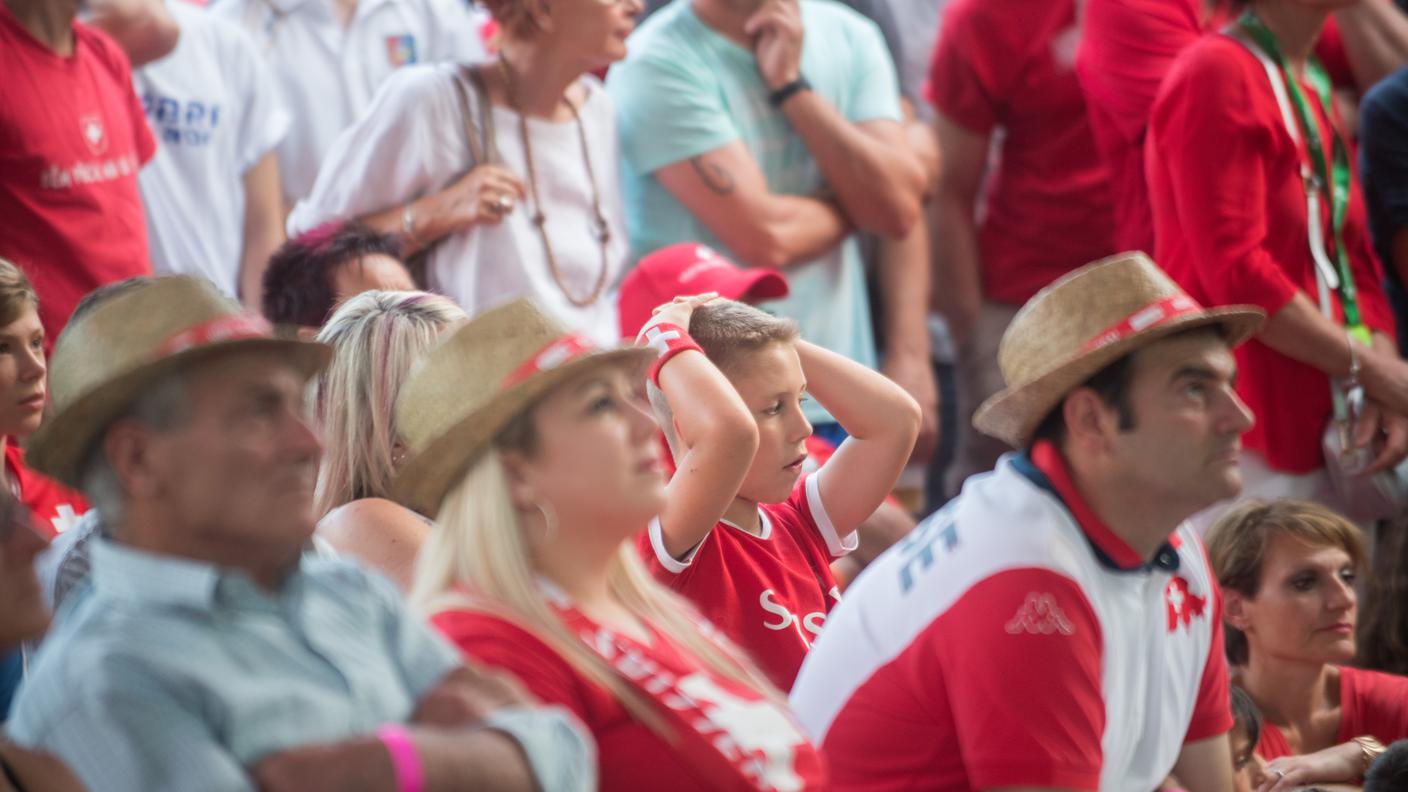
{"type": "Point", "coordinates": [1338, 764]}
{"type": "Point", "coordinates": [484, 196]}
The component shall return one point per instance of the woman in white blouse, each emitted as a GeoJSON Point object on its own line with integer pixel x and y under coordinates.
{"type": "Point", "coordinates": [523, 203]}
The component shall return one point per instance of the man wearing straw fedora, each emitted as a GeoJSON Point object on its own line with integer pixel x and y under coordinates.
{"type": "Point", "coordinates": [206, 651]}
{"type": "Point", "coordinates": [1056, 626]}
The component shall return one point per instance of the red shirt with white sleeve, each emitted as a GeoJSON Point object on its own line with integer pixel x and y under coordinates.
{"type": "Point", "coordinates": [1230, 223]}
{"type": "Point", "coordinates": [769, 594]}
{"type": "Point", "coordinates": [53, 507]}
{"type": "Point", "coordinates": [72, 138]}
{"type": "Point", "coordinates": [768, 748]}
{"type": "Point", "coordinates": [1371, 703]}
{"type": "Point", "coordinates": [1013, 639]}
{"type": "Point", "coordinates": [1049, 207]}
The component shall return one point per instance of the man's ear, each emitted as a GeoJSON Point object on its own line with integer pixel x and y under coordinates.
{"type": "Point", "coordinates": [133, 458]}
{"type": "Point", "coordinates": [1088, 419]}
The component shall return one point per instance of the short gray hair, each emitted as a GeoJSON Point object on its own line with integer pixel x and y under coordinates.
{"type": "Point", "coordinates": [162, 407]}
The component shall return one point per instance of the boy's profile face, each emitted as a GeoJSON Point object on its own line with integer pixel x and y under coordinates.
{"type": "Point", "coordinates": [772, 386]}
{"type": "Point", "coordinates": [1248, 768]}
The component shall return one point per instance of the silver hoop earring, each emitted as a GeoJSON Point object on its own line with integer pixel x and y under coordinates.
{"type": "Point", "coordinates": [549, 519]}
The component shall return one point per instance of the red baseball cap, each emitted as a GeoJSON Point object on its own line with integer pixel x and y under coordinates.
{"type": "Point", "coordinates": [690, 268]}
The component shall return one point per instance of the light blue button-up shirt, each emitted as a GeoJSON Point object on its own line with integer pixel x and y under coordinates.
{"type": "Point", "coordinates": [171, 674]}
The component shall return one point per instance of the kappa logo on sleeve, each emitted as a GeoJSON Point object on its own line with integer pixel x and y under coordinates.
{"type": "Point", "coordinates": [1040, 615]}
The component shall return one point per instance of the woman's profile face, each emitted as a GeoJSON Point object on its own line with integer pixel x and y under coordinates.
{"type": "Point", "coordinates": [596, 459]}
{"type": "Point", "coordinates": [597, 29]}
{"type": "Point", "coordinates": [23, 374]}
{"type": "Point", "coordinates": [1305, 608]}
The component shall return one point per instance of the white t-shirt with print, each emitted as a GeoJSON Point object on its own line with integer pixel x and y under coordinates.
{"type": "Point", "coordinates": [329, 73]}
{"type": "Point", "coordinates": [412, 142]}
{"type": "Point", "coordinates": [215, 112]}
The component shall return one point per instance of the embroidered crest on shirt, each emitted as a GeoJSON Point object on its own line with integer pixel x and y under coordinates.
{"type": "Point", "coordinates": [400, 50]}
{"type": "Point", "coordinates": [93, 133]}
{"type": "Point", "coordinates": [1040, 615]}
{"type": "Point", "coordinates": [1182, 604]}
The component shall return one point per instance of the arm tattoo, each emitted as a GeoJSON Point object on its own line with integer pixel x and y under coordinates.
{"type": "Point", "coordinates": [713, 175]}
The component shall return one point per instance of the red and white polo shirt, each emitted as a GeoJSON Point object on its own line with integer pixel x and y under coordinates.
{"type": "Point", "coordinates": [769, 594]}
{"type": "Point", "coordinates": [1013, 639]}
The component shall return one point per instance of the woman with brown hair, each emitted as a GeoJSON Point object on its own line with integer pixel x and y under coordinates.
{"type": "Point", "coordinates": [1287, 571]}
{"type": "Point", "coordinates": [506, 171]}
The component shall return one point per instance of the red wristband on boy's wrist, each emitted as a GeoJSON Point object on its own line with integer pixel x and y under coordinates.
{"type": "Point", "coordinates": [667, 340]}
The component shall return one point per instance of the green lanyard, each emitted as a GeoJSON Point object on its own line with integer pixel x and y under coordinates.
{"type": "Point", "coordinates": [1330, 179]}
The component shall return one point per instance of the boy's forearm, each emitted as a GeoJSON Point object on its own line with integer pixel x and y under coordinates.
{"type": "Point", "coordinates": [866, 403]}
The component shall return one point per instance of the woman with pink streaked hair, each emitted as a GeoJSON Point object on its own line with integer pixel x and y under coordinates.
{"type": "Point", "coordinates": [377, 338]}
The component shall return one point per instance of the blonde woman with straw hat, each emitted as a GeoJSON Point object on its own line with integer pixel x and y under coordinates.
{"type": "Point", "coordinates": [377, 337]}
{"type": "Point", "coordinates": [530, 448]}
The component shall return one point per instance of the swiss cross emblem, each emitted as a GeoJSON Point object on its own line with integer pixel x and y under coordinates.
{"type": "Point", "coordinates": [93, 133]}
{"type": "Point", "coordinates": [1182, 605]}
{"type": "Point", "coordinates": [659, 340]}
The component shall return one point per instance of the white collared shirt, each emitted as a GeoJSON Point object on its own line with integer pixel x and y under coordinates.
{"type": "Point", "coordinates": [328, 73]}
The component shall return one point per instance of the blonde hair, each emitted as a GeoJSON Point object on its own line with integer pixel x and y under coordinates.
{"type": "Point", "coordinates": [479, 559]}
{"type": "Point", "coordinates": [377, 338]}
{"type": "Point", "coordinates": [728, 331]}
{"type": "Point", "coordinates": [1237, 545]}
{"type": "Point", "coordinates": [16, 292]}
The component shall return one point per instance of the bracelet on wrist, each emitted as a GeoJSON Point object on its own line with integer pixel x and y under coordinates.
{"type": "Point", "coordinates": [1369, 750]}
{"type": "Point", "coordinates": [782, 94]}
{"type": "Point", "coordinates": [405, 759]}
{"type": "Point", "coordinates": [408, 224]}
{"type": "Point", "coordinates": [667, 340]}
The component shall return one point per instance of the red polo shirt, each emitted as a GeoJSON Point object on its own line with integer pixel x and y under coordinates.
{"type": "Point", "coordinates": [1230, 222]}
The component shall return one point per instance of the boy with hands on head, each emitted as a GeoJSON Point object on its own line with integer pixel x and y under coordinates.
{"type": "Point", "coordinates": [746, 536]}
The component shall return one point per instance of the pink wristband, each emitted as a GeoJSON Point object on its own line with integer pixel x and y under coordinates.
{"type": "Point", "coordinates": [405, 760]}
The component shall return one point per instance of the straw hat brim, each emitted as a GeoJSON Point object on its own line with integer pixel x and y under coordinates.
{"type": "Point", "coordinates": [1013, 414]}
{"type": "Point", "coordinates": [59, 446]}
{"type": "Point", "coordinates": [424, 478]}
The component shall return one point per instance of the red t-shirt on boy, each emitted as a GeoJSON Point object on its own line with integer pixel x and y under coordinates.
{"type": "Point", "coordinates": [53, 507]}
{"type": "Point", "coordinates": [769, 594]}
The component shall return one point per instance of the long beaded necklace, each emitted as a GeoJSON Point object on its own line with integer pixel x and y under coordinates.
{"type": "Point", "coordinates": [539, 220]}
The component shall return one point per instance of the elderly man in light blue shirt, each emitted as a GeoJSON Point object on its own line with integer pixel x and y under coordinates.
{"type": "Point", "coordinates": [207, 652]}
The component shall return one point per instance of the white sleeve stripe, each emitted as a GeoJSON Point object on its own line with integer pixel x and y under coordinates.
{"type": "Point", "coordinates": [657, 543]}
{"type": "Point", "coordinates": [837, 545]}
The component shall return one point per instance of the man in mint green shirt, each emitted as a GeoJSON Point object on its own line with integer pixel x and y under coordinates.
{"type": "Point", "coordinates": [771, 130]}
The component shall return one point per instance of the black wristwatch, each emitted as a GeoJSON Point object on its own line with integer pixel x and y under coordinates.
{"type": "Point", "coordinates": [776, 98]}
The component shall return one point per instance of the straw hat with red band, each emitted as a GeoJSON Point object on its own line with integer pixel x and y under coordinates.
{"type": "Point", "coordinates": [1082, 323]}
{"type": "Point", "coordinates": [690, 268]}
{"type": "Point", "coordinates": [105, 358]}
{"type": "Point", "coordinates": [474, 383]}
